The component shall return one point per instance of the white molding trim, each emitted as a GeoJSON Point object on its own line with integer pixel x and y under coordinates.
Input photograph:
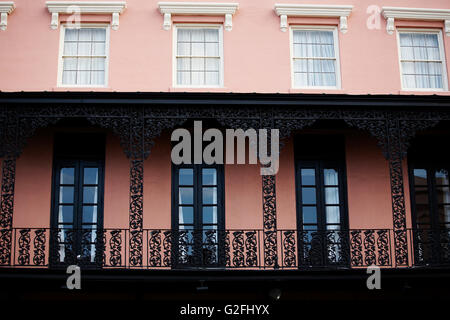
{"type": "Point", "coordinates": [392, 13]}
{"type": "Point", "coordinates": [197, 8]}
{"type": "Point", "coordinates": [90, 7]}
{"type": "Point", "coordinates": [308, 10]}
{"type": "Point", "coordinates": [6, 7]}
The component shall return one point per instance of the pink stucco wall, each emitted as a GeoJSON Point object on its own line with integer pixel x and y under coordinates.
{"type": "Point", "coordinates": [256, 52]}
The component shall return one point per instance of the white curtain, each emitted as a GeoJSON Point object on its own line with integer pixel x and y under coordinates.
{"type": "Point", "coordinates": [314, 58]}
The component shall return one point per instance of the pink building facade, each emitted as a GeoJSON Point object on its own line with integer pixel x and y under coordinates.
{"type": "Point", "coordinates": [91, 92]}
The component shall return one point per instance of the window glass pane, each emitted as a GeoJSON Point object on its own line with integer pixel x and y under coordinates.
{"type": "Point", "coordinates": [442, 177]}
{"type": "Point", "coordinates": [210, 195]}
{"type": "Point", "coordinates": [444, 214]}
{"type": "Point", "coordinates": [70, 64]}
{"type": "Point", "coordinates": [85, 34]}
{"type": "Point", "coordinates": [331, 195]}
{"type": "Point", "coordinates": [99, 34]}
{"type": "Point", "coordinates": [198, 49]}
{"type": "Point", "coordinates": [209, 176]}
{"type": "Point", "coordinates": [84, 64]}
{"type": "Point", "coordinates": [70, 48]}
{"type": "Point", "coordinates": [69, 77]}
{"type": "Point", "coordinates": [308, 195]}
{"type": "Point", "coordinates": [83, 77]}
{"type": "Point", "coordinates": [186, 215]}
{"type": "Point", "coordinates": [184, 64]}
{"type": "Point", "coordinates": [84, 49]}
{"type": "Point", "coordinates": [67, 176]}
{"type": "Point", "coordinates": [421, 195]}
{"type": "Point", "coordinates": [183, 35]}
{"type": "Point", "coordinates": [198, 78]}
{"type": "Point", "coordinates": [90, 175]}
{"type": "Point", "coordinates": [443, 194]}
{"type": "Point", "coordinates": [212, 64]}
{"type": "Point", "coordinates": [330, 177]}
{"type": "Point", "coordinates": [308, 177]}
{"type": "Point", "coordinates": [90, 194]}
{"type": "Point", "coordinates": [420, 177]}
{"type": "Point", "coordinates": [66, 194]}
{"type": "Point", "coordinates": [65, 214]}
{"type": "Point", "coordinates": [184, 49]}
{"type": "Point", "coordinates": [333, 214]}
{"type": "Point", "coordinates": [186, 176]}
{"type": "Point", "coordinates": [309, 214]}
{"type": "Point", "coordinates": [212, 49]}
{"type": "Point", "coordinates": [422, 213]}
{"type": "Point", "coordinates": [89, 214]}
{"type": "Point", "coordinates": [211, 35]}
{"type": "Point", "coordinates": [98, 64]}
{"type": "Point", "coordinates": [71, 34]}
{"type": "Point", "coordinates": [198, 35]}
{"type": "Point", "coordinates": [98, 77]}
{"type": "Point", "coordinates": [186, 195]}
{"type": "Point", "coordinates": [98, 49]}
{"type": "Point", "coordinates": [197, 64]}
{"type": "Point", "coordinates": [212, 78]}
{"type": "Point", "coordinates": [210, 214]}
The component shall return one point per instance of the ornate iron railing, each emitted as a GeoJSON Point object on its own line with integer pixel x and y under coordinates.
{"type": "Point", "coordinates": [215, 249]}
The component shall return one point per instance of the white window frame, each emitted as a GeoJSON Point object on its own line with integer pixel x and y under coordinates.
{"type": "Point", "coordinates": [62, 34]}
{"type": "Point", "coordinates": [336, 51]}
{"type": "Point", "coordinates": [441, 52]}
{"type": "Point", "coordinates": [174, 54]}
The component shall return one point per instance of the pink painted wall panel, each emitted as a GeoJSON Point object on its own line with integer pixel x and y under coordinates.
{"type": "Point", "coordinates": [256, 52]}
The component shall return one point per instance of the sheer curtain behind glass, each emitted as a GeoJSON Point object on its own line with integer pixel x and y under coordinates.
{"type": "Point", "coordinates": [421, 61]}
{"type": "Point", "coordinates": [314, 58]}
{"type": "Point", "coordinates": [84, 56]}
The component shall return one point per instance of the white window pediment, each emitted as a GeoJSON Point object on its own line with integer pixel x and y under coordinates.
{"type": "Point", "coordinates": [307, 10]}
{"type": "Point", "coordinates": [392, 13]}
{"type": "Point", "coordinates": [6, 7]}
{"type": "Point", "coordinates": [197, 8]}
{"type": "Point", "coordinates": [88, 7]}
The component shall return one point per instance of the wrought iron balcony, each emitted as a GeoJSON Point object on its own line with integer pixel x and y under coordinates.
{"type": "Point", "coordinates": [215, 249]}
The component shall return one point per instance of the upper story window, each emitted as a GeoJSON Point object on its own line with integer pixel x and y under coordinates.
{"type": "Point", "coordinates": [422, 60]}
{"type": "Point", "coordinates": [315, 62]}
{"type": "Point", "coordinates": [84, 56]}
{"type": "Point", "coordinates": [198, 56]}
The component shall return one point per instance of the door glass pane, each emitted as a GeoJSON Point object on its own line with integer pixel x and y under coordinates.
{"type": "Point", "coordinates": [441, 177]}
{"type": "Point", "coordinates": [210, 214]}
{"type": "Point", "coordinates": [421, 195]}
{"type": "Point", "coordinates": [209, 176]}
{"type": "Point", "coordinates": [309, 215]}
{"type": "Point", "coordinates": [423, 213]}
{"type": "Point", "coordinates": [210, 195]}
{"type": "Point", "coordinates": [333, 214]}
{"type": "Point", "coordinates": [186, 196]}
{"type": "Point", "coordinates": [186, 215]}
{"type": "Point", "coordinates": [309, 195]}
{"type": "Point", "coordinates": [67, 176]}
{"type": "Point", "coordinates": [89, 214]}
{"type": "Point", "coordinates": [331, 195]}
{"type": "Point", "coordinates": [65, 214]}
{"type": "Point", "coordinates": [443, 194]}
{"type": "Point", "coordinates": [90, 175]}
{"type": "Point", "coordinates": [330, 177]}
{"type": "Point", "coordinates": [308, 177]}
{"type": "Point", "coordinates": [420, 177]}
{"type": "Point", "coordinates": [186, 177]}
{"type": "Point", "coordinates": [66, 194]}
{"type": "Point", "coordinates": [444, 213]}
{"type": "Point", "coordinates": [90, 194]}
